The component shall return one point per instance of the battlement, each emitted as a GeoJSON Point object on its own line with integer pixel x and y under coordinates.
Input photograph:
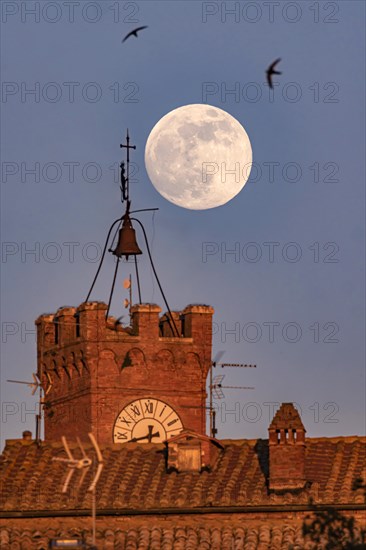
{"type": "Point", "coordinates": [84, 358]}
{"type": "Point", "coordinates": [87, 322]}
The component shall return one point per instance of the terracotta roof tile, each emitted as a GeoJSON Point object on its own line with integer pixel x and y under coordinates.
{"type": "Point", "coordinates": [135, 477]}
{"type": "Point", "coordinates": [260, 536]}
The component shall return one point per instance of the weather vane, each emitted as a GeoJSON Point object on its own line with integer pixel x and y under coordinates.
{"type": "Point", "coordinates": [126, 243]}
{"type": "Point", "coordinates": [125, 180]}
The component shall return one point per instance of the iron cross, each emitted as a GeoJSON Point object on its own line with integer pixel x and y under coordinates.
{"type": "Point", "coordinates": [128, 147]}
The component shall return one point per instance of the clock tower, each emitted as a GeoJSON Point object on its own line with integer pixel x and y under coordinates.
{"type": "Point", "coordinates": [140, 383]}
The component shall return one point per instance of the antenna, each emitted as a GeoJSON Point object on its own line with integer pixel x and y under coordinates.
{"type": "Point", "coordinates": [216, 387]}
{"type": "Point", "coordinates": [35, 385]}
{"type": "Point", "coordinates": [83, 464]}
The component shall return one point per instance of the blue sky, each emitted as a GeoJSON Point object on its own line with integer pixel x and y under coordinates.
{"type": "Point", "coordinates": [298, 313]}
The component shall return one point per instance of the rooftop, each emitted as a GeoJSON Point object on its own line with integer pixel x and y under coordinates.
{"type": "Point", "coordinates": [135, 477]}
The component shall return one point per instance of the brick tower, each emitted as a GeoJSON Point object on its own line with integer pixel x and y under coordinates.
{"type": "Point", "coordinates": [136, 383]}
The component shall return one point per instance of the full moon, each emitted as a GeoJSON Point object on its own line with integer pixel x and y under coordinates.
{"type": "Point", "coordinates": [198, 157]}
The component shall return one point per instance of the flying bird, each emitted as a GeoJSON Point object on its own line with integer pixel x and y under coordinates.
{"type": "Point", "coordinates": [134, 32]}
{"type": "Point", "coordinates": [271, 71]}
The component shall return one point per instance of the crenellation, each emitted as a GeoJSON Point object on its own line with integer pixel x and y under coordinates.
{"type": "Point", "coordinates": [84, 352]}
{"type": "Point", "coordinates": [168, 324]}
{"type": "Point", "coordinates": [65, 325]}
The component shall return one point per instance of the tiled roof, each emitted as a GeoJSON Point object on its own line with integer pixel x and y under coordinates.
{"type": "Point", "coordinates": [238, 537]}
{"type": "Point", "coordinates": [135, 477]}
{"type": "Point", "coordinates": [284, 534]}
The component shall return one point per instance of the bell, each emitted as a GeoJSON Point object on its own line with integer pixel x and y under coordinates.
{"type": "Point", "coordinates": [127, 244]}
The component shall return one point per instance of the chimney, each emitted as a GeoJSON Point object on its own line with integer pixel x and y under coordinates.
{"type": "Point", "coordinates": [286, 450]}
{"type": "Point", "coordinates": [27, 435]}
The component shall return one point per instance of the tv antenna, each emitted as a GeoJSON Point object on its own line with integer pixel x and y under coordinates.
{"type": "Point", "coordinates": [35, 385]}
{"type": "Point", "coordinates": [216, 387]}
{"type": "Point", "coordinates": [83, 464]}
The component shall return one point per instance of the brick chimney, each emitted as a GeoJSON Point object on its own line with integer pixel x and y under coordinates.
{"type": "Point", "coordinates": [27, 435]}
{"type": "Point", "coordinates": [286, 450]}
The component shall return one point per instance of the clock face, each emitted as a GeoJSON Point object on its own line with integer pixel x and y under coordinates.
{"type": "Point", "coordinates": [146, 420]}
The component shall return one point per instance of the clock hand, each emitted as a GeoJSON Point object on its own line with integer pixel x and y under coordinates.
{"type": "Point", "coordinates": [149, 436]}
{"type": "Point", "coordinates": [134, 439]}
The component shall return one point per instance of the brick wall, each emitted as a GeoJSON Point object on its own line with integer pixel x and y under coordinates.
{"type": "Point", "coordinates": [97, 367]}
